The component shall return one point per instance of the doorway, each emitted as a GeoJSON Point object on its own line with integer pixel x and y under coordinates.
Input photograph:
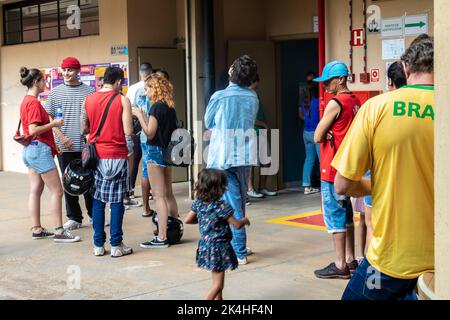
{"type": "Point", "coordinates": [297, 57]}
{"type": "Point", "coordinates": [173, 61]}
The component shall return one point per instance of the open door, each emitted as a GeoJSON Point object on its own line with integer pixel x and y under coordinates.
{"type": "Point", "coordinates": [173, 61]}
{"type": "Point", "coordinates": [264, 54]}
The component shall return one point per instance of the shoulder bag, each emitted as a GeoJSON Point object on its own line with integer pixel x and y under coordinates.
{"type": "Point", "coordinates": [89, 154]}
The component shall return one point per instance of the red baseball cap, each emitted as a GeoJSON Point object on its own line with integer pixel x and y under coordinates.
{"type": "Point", "coordinates": [71, 63]}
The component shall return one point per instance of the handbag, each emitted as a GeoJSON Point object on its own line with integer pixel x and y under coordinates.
{"type": "Point", "coordinates": [173, 158]}
{"type": "Point", "coordinates": [89, 156]}
{"type": "Point", "coordinates": [22, 139]}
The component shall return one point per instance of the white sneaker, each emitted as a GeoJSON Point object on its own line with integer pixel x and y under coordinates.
{"type": "Point", "coordinates": [120, 251]}
{"type": "Point", "coordinates": [99, 251]}
{"type": "Point", "coordinates": [249, 251]}
{"type": "Point", "coordinates": [255, 194]}
{"type": "Point", "coordinates": [242, 261]}
{"type": "Point", "coordinates": [132, 203]}
{"type": "Point", "coordinates": [72, 225]}
{"type": "Point", "coordinates": [309, 190]}
{"type": "Point", "coordinates": [268, 193]}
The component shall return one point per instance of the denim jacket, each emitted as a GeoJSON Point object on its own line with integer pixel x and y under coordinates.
{"type": "Point", "coordinates": [231, 115]}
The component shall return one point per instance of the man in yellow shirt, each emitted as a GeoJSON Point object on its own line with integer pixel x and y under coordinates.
{"type": "Point", "coordinates": [393, 136]}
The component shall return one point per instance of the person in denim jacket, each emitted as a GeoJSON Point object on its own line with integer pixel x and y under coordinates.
{"type": "Point", "coordinates": [231, 115]}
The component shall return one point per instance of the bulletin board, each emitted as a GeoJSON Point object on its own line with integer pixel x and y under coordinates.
{"type": "Point", "coordinates": [90, 75]}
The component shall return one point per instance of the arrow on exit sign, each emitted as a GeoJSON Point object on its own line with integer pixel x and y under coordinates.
{"type": "Point", "coordinates": [415, 25]}
{"type": "Point", "coordinates": [420, 24]}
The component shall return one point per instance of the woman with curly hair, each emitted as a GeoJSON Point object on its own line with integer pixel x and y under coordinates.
{"type": "Point", "coordinates": [159, 128]}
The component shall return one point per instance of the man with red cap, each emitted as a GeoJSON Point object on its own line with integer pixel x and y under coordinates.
{"type": "Point", "coordinates": [66, 100]}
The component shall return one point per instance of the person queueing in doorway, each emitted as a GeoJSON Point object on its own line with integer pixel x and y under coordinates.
{"type": "Point", "coordinates": [111, 180]}
{"type": "Point", "coordinates": [330, 132]}
{"type": "Point", "coordinates": [136, 94]}
{"type": "Point", "coordinates": [229, 114]}
{"type": "Point", "coordinates": [69, 98]}
{"type": "Point", "coordinates": [402, 221]}
{"type": "Point", "coordinates": [214, 216]}
{"type": "Point", "coordinates": [396, 80]}
{"type": "Point", "coordinates": [39, 155]}
{"type": "Point", "coordinates": [159, 128]}
{"type": "Point", "coordinates": [309, 113]}
{"type": "Point", "coordinates": [260, 124]}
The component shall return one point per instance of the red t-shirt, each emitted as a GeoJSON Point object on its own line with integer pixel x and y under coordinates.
{"type": "Point", "coordinates": [31, 111]}
{"type": "Point", "coordinates": [111, 144]}
{"type": "Point", "coordinates": [349, 104]}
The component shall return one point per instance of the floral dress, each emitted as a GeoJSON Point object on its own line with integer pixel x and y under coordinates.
{"type": "Point", "coordinates": [214, 252]}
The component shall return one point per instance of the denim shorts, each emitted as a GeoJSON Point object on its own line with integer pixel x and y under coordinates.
{"type": "Point", "coordinates": [155, 156]}
{"type": "Point", "coordinates": [38, 156]}
{"type": "Point", "coordinates": [144, 147]}
{"type": "Point", "coordinates": [337, 210]}
{"type": "Point", "coordinates": [368, 199]}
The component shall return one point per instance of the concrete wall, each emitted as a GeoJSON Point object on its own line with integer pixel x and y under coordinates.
{"type": "Point", "coordinates": [1, 97]}
{"type": "Point", "coordinates": [442, 150]}
{"type": "Point", "coordinates": [338, 34]}
{"type": "Point", "coordinates": [91, 49]}
{"type": "Point", "coordinates": [153, 23]}
{"type": "Point", "coordinates": [290, 18]}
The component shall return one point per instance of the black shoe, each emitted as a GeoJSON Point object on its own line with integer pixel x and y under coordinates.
{"type": "Point", "coordinates": [44, 234]}
{"type": "Point", "coordinates": [155, 243]}
{"type": "Point", "coordinates": [333, 272]}
{"type": "Point", "coordinates": [352, 266]}
{"type": "Point", "coordinates": [150, 214]}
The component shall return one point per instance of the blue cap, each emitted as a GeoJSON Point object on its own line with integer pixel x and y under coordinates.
{"type": "Point", "coordinates": [332, 70]}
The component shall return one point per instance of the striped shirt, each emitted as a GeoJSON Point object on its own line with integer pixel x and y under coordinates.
{"type": "Point", "coordinates": [71, 99]}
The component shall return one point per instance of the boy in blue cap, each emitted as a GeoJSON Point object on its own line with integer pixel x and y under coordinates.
{"type": "Point", "coordinates": [337, 210]}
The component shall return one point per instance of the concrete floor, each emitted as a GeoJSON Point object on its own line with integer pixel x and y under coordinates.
{"type": "Point", "coordinates": [281, 268]}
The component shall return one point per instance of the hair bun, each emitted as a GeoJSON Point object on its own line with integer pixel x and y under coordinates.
{"type": "Point", "coordinates": [24, 72]}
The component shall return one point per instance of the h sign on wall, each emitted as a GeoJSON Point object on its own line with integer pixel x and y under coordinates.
{"type": "Point", "coordinates": [358, 37]}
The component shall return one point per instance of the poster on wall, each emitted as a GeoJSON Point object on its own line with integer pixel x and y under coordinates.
{"type": "Point", "coordinates": [393, 48]}
{"type": "Point", "coordinates": [91, 75]}
{"type": "Point", "coordinates": [124, 67]}
{"type": "Point", "coordinates": [99, 71]}
{"type": "Point", "coordinates": [47, 73]}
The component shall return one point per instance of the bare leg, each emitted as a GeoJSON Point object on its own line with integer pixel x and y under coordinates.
{"type": "Point", "coordinates": [218, 279]}
{"type": "Point", "coordinates": [361, 236]}
{"type": "Point", "coordinates": [369, 226]}
{"type": "Point", "coordinates": [158, 185]}
{"type": "Point", "coordinates": [145, 186]}
{"type": "Point", "coordinates": [53, 183]}
{"type": "Point", "coordinates": [34, 202]}
{"type": "Point", "coordinates": [339, 247]}
{"type": "Point", "coordinates": [350, 244]}
{"type": "Point", "coordinates": [171, 202]}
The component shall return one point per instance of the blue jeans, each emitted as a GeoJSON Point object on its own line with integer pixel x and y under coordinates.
{"type": "Point", "coordinates": [235, 197]}
{"type": "Point", "coordinates": [312, 153]}
{"type": "Point", "coordinates": [144, 147]}
{"type": "Point", "coordinates": [370, 284]}
{"type": "Point", "coordinates": [98, 217]}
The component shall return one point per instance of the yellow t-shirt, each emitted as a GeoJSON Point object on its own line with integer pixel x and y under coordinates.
{"type": "Point", "coordinates": [393, 136]}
